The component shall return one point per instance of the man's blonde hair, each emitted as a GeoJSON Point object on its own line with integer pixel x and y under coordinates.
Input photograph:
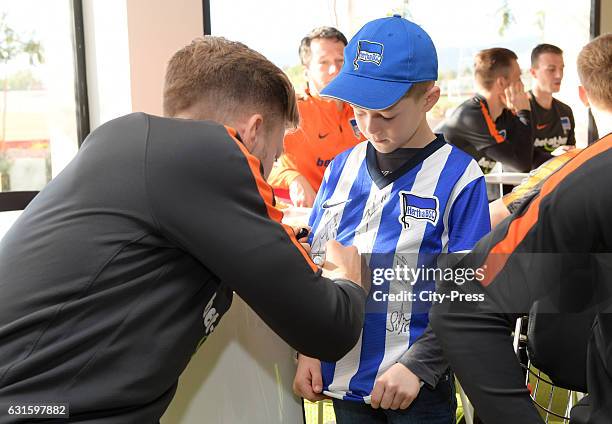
{"type": "Point", "coordinates": [217, 79]}
{"type": "Point", "coordinates": [595, 70]}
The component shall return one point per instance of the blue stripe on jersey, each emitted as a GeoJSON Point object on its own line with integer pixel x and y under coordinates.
{"type": "Point", "coordinates": [358, 195]}
{"type": "Point", "coordinates": [351, 218]}
{"type": "Point", "coordinates": [375, 323]}
{"type": "Point", "coordinates": [326, 189]}
{"type": "Point", "coordinates": [431, 245]}
{"type": "Point", "coordinates": [469, 220]}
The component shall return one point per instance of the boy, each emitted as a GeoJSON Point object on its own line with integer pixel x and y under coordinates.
{"type": "Point", "coordinates": [403, 191]}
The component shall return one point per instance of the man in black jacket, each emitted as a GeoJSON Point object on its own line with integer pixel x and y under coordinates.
{"type": "Point", "coordinates": [123, 264]}
{"type": "Point", "coordinates": [494, 125]}
{"type": "Point", "coordinates": [555, 249]}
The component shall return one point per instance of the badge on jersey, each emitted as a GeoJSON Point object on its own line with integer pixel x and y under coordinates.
{"type": "Point", "coordinates": [566, 123]}
{"type": "Point", "coordinates": [353, 123]}
{"type": "Point", "coordinates": [368, 51]}
{"type": "Point", "coordinates": [502, 133]}
{"type": "Point", "coordinates": [415, 207]}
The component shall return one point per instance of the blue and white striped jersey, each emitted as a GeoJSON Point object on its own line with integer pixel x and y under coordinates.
{"type": "Point", "coordinates": [436, 203]}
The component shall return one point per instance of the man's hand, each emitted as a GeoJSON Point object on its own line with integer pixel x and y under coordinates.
{"type": "Point", "coordinates": [516, 97]}
{"type": "Point", "coordinates": [308, 382]}
{"type": "Point", "coordinates": [396, 388]}
{"type": "Point", "coordinates": [301, 233]}
{"type": "Point", "coordinates": [301, 193]}
{"type": "Point", "coordinates": [345, 263]}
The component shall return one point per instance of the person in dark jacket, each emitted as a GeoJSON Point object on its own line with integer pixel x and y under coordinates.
{"type": "Point", "coordinates": [124, 263]}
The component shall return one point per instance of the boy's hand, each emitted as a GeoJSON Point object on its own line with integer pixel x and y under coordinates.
{"type": "Point", "coordinates": [396, 388]}
{"type": "Point", "coordinates": [308, 382]}
{"type": "Point", "coordinates": [301, 193]}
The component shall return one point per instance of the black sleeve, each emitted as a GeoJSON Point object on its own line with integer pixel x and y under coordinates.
{"type": "Point", "coordinates": [541, 252]}
{"type": "Point", "coordinates": [426, 359]}
{"type": "Point", "coordinates": [571, 139]}
{"type": "Point", "coordinates": [208, 197]}
{"type": "Point", "coordinates": [516, 151]}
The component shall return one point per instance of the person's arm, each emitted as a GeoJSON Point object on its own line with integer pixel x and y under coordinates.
{"type": "Point", "coordinates": [516, 151]}
{"type": "Point", "coordinates": [468, 222]}
{"type": "Point", "coordinates": [524, 259]}
{"type": "Point", "coordinates": [286, 169]}
{"type": "Point", "coordinates": [211, 201]}
{"type": "Point", "coordinates": [425, 359]}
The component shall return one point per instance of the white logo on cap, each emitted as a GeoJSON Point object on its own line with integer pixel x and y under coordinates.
{"type": "Point", "coordinates": [368, 51]}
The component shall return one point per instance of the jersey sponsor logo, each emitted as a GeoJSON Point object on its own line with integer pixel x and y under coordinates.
{"type": "Point", "coordinates": [324, 162]}
{"type": "Point", "coordinates": [550, 143]}
{"type": "Point", "coordinates": [541, 126]}
{"type": "Point", "coordinates": [329, 203]}
{"type": "Point", "coordinates": [566, 123]}
{"type": "Point", "coordinates": [368, 51]}
{"type": "Point", "coordinates": [416, 207]}
{"type": "Point", "coordinates": [322, 136]}
{"type": "Point", "coordinates": [355, 127]}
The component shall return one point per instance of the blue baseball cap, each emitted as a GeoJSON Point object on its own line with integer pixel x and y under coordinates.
{"type": "Point", "coordinates": [382, 61]}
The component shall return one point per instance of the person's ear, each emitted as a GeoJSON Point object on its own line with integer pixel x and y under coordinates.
{"type": "Point", "coordinates": [252, 131]}
{"type": "Point", "coordinates": [532, 71]}
{"type": "Point", "coordinates": [431, 98]}
{"type": "Point", "coordinates": [583, 96]}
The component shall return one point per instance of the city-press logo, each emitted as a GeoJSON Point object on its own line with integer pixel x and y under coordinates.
{"type": "Point", "coordinates": [416, 207]}
{"type": "Point", "coordinates": [368, 51]}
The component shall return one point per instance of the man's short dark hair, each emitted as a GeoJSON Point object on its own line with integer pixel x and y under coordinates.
{"type": "Point", "coordinates": [492, 63]}
{"type": "Point", "coordinates": [324, 32]}
{"type": "Point", "coordinates": [541, 49]}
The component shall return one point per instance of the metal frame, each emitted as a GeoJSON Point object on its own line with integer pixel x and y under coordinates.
{"type": "Point", "coordinates": [15, 200]}
{"type": "Point", "coordinates": [80, 72]}
{"type": "Point", "coordinates": [206, 16]}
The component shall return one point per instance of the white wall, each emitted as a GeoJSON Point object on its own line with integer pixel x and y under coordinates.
{"type": "Point", "coordinates": [127, 44]}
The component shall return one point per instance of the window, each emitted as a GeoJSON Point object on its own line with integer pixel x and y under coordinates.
{"type": "Point", "coordinates": [38, 111]}
{"type": "Point", "coordinates": [458, 28]}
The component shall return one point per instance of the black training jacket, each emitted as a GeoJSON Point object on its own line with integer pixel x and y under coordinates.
{"type": "Point", "coordinates": [508, 139]}
{"type": "Point", "coordinates": [556, 249]}
{"type": "Point", "coordinates": [125, 262]}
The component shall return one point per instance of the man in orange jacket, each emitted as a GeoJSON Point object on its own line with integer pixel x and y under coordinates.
{"type": "Point", "coordinates": [327, 127]}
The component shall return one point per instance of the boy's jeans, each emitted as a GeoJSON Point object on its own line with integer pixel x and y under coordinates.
{"type": "Point", "coordinates": [435, 406]}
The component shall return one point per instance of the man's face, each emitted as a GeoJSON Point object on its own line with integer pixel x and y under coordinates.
{"type": "Point", "coordinates": [325, 62]}
{"type": "Point", "coordinates": [392, 128]}
{"type": "Point", "coordinates": [514, 75]}
{"type": "Point", "coordinates": [269, 145]}
{"type": "Point", "coordinates": [548, 72]}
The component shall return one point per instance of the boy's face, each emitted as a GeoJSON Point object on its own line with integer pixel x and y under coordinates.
{"type": "Point", "coordinates": [548, 72]}
{"type": "Point", "coordinates": [392, 128]}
